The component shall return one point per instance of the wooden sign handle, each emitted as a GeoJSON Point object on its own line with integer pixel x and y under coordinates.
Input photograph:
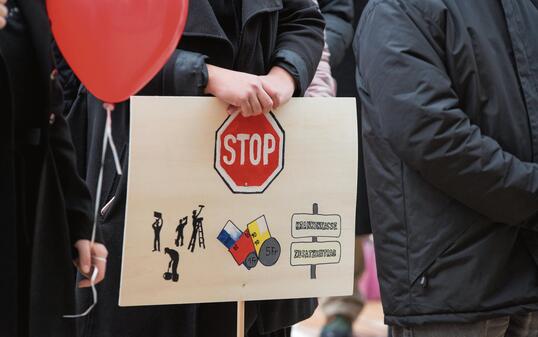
{"type": "Point", "coordinates": [241, 319]}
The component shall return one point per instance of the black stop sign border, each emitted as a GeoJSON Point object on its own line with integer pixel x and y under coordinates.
{"type": "Point", "coordinates": [276, 175]}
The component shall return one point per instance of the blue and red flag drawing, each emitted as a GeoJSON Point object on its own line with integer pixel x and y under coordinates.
{"type": "Point", "coordinates": [246, 246]}
{"type": "Point", "coordinates": [243, 248]}
{"type": "Point", "coordinates": [229, 235]}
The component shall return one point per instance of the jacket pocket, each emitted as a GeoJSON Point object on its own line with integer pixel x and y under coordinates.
{"type": "Point", "coordinates": [109, 199]}
{"type": "Point", "coordinates": [422, 279]}
{"type": "Point", "coordinates": [434, 222]}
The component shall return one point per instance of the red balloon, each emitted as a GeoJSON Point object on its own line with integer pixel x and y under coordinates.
{"type": "Point", "coordinates": [116, 47]}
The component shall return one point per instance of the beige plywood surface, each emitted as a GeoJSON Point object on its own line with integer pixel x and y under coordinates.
{"type": "Point", "coordinates": [172, 171]}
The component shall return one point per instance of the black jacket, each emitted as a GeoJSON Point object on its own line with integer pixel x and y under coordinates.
{"type": "Point", "coordinates": [339, 27]}
{"type": "Point", "coordinates": [45, 206]}
{"type": "Point", "coordinates": [344, 74]}
{"type": "Point", "coordinates": [275, 32]}
{"type": "Point", "coordinates": [450, 127]}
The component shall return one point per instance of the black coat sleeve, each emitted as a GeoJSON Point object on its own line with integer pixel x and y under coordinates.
{"type": "Point", "coordinates": [338, 15]}
{"type": "Point", "coordinates": [403, 83]}
{"type": "Point", "coordinates": [300, 41]}
{"type": "Point", "coordinates": [77, 197]}
{"type": "Point", "coordinates": [185, 74]}
{"type": "Point", "coordinates": [68, 80]}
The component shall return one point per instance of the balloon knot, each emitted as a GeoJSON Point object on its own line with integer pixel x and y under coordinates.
{"type": "Point", "coordinates": [108, 106]}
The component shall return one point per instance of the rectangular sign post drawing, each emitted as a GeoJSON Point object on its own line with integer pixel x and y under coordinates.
{"type": "Point", "coordinates": [315, 225]}
{"type": "Point", "coordinates": [314, 253]}
{"type": "Point", "coordinates": [210, 197]}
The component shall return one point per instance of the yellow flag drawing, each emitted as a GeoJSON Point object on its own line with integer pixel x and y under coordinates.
{"type": "Point", "coordinates": [259, 231]}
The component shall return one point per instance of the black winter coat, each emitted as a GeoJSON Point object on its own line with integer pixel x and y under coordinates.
{"type": "Point", "coordinates": [275, 32]}
{"type": "Point", "coordinates": [344, 74]}
{"type": "Point", "coordinates": [45, 205]}
{"type": "Point", "coordinates": [450, 128]}
{"type": "Point", "coordinates": [339, 27]}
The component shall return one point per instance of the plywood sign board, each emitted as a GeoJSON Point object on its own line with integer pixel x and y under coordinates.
{"type": "Point", "coordinates": [227, 208]}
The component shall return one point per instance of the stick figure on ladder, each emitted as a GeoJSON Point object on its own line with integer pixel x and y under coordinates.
{"type": "Point", "coordinates": [197, 230]}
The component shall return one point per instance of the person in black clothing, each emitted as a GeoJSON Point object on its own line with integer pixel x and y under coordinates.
{"type": "Point", "coordinates": [157, 227]}
{"type": "Point", "coordinates": [449, 91]}
{"type": "Point", "coordinates": [254, 56]}
{"type": "Point", "coordinates": [338, 59]}
{"type": "Point", "coordinates": [197, 230]}
{"type": "Point", "coordinates": [46, 208]}
{"type": "Point", "coordinates": [171, 273]}
{"type": "Point", "coordinates": [344, 73]}
{"type": "Point", "coordinates": [180, 230]}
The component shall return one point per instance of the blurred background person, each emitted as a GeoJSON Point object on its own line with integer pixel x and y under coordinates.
{"type": "Point", "coordinates": [335, 77]}
{"type": "Point", "coordinates": [3, 13]}
{"type": "Point", "coordinates": [46, 208]}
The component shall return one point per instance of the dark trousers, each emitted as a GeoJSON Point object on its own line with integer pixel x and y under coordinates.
{"type": "Point", "coordinates": [157, 243]}
{"type": "Point", "coordinates": [524, 325]}
{"type": "Point", "coordinates": [286, 332]}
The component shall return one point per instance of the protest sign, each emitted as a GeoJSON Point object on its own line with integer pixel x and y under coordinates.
{"type": "Point", "coordinates": [228, 208]}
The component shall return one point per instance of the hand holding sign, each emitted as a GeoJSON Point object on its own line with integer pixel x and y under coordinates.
{"type": "Point", "coordinates": [280, 85]}
{"type": "Point", "coordinates": [243, 92]}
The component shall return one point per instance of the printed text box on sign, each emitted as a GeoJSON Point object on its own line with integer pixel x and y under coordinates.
{"type": "Point", "coordinates": [314, 253]}
{"type": "Point", "coordinates": [316, 225]}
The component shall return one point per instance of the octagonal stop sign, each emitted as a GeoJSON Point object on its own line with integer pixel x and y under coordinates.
{"type": "Point", "coordinates": [249, 152]}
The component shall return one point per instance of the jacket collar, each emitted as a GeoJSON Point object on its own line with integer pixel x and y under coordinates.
{"type": "Point", "coordinates": [203, 22]}
{"type": "Point", "coordinates": [253, 7]}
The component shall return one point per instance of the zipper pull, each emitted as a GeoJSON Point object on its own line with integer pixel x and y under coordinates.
{"type": "Point", "coordinates": [423, 281]}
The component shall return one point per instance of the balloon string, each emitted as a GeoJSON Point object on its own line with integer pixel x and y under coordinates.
{"type": "Point", "coordinates": [107, 140]}
{"type": "Point", "coordinates": [94, 294]}
{"type": "Point", "coordinates": [108, 130]}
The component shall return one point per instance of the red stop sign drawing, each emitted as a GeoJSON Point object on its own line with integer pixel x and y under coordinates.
{"type": "Point", "coordinates": [249, 152]}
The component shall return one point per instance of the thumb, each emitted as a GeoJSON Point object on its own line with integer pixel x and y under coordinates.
{"type": "Point", "coordinates": [268, 87]}
{"type": "Point", "coordinates": [232, 109]}
{"type": "Point", "coordinates": [84, 254]}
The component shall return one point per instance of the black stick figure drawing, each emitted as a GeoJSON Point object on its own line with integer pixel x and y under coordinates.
{"type": "Point", "coordinates": [157, 226]}
{"type": "Point", "coordinates": [180, 231]}
{"type": "Point", "coordinates": [197, 230]}
{"type": "Point", "coordinates": [174, 261]}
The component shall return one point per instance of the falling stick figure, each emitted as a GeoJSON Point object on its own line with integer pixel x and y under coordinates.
{"type": "Point", "coordinates": [180, 229]}
{"type": "Point", "coordinates": [174, 261]}
{"type": "Point", "coordinates": [157, 226]}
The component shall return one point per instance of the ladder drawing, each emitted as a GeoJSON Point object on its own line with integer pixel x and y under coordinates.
{"type": "Point", "coordinates": [201, 241]}
{"type": "Point", "coordinates": [198, 230]}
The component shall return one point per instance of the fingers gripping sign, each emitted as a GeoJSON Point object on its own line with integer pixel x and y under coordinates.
{"type": "Point", "coordinates": [243, 92]}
